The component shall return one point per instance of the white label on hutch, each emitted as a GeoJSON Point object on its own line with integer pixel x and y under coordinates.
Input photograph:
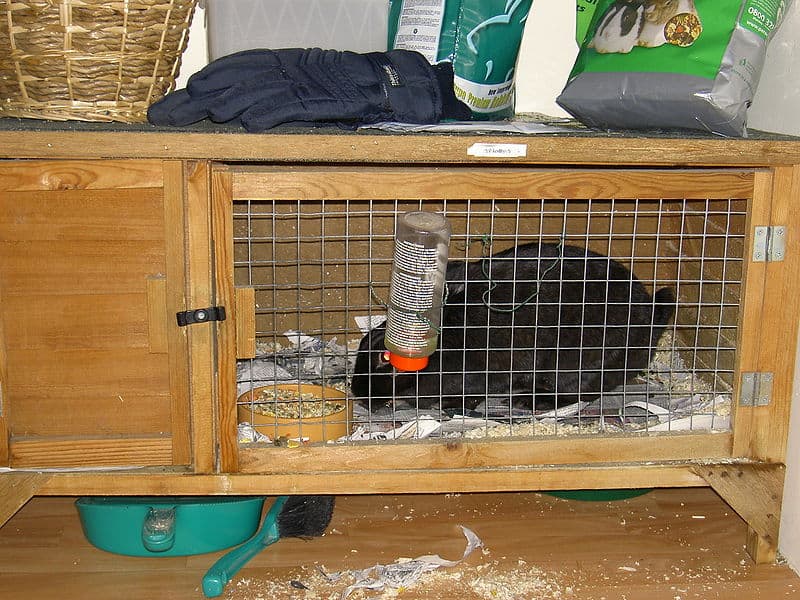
{"type": "Point", "coordinates": [498, 150]}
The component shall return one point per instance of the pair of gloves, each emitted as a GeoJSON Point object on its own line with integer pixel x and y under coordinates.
{"type": "Point", "coordinates": [260, 89]}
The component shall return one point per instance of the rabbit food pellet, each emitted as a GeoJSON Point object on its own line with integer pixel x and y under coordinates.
{"type": "Point", "coordinates": [291, 404]}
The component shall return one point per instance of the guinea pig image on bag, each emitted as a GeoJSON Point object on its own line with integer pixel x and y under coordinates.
{"type": "Point", "coordinates": [627, 24]}
{"type": "Point", "coordinates": [544, 325]}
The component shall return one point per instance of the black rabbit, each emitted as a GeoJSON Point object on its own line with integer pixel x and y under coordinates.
{"type": "Point", "coordinates": [543, 324]}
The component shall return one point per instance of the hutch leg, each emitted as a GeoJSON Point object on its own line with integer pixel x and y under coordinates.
{"type": "Point", "coordinates": [755, 492]}
{"type": "Point", "coordinates": [760, 550]}
{"type": "Point", "coordinates": [16, 489]}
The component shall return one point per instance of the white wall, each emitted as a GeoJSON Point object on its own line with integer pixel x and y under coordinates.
{"type": "Point", "coordinates": [195, 56]}
{"type": "Point", "coordinates": [546, 57]}
{"type": "Point", "coordinates": [789, 543]}
{"type": "Point", "coordinates": [776, 106]}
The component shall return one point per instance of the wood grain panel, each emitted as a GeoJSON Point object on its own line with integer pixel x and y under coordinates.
{"type": "Point", "coordinates": [81, 215]}
{"type": "Point", "coordinates": [83, 389]}
{"type": "Point", "coordinates": [80, 175]}
{"type": "Point", "coordinates": [86, 369]}
{"type": "Point", "coordinates": [4, 456]}
{"type": "Point", "coordinates": [245, 317]}
{"type": "Point", "coordinates": [48, 323]}
{"type": "Point", "coordinates": [408, 183]}
{"type": "Point", "coordinates": [92, 452]}
{"type": "Point", "coordinates": [175, 301]}
{"type": "Point", "coordinates": [751, 315]}
{"type": "Point", "coordinates": [320, 147]}
{"type": "Point", "coordinates": [222, 232]}
{"type": "Point", "coordinates": [483, 454]}
{"type": "Point", "coordinates": [754, 492]}
{"type": "Point", "coordinates": [16, 489]}
{"type": "Point", "coordinates": [780, 319]}
{"type": "Point", "coordinates": [4, 403]}
{"type": "Point", "coordinates": [79, 244]}
{"type": "Point", "coordinates": [199, 256]}
{"type": "Point", "coordinates": [55, 414]}
{"type": "Point", "coordinates": [374, 482]}
{"type": "Point", "coordinates": [157, 318]}
{"type": "Point", "coordinates": [41, 268]}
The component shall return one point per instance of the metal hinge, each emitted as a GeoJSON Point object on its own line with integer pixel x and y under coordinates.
{"type": "Point", "coordinates": [769, 244]}
{"type": "Point", "coordinates": [756, 389]}
{"type": "Point", "coordinates": [201, 315]}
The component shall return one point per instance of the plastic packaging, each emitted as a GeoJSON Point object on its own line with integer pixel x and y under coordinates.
{"type": "Point", "coordinates": [415, 294]}
{"type": "Point", "coordinates": [356, 25]}
{"type": "Point", "coordinates": [687, 64]}
{"type": "Point", "coordinates": [480, 37]}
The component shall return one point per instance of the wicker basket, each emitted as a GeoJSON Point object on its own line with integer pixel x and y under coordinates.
{"type": "Point", "coordinates": [89, 60]}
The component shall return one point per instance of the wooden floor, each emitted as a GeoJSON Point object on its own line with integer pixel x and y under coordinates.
{"type": "Point", "coordinates": [668, 544]}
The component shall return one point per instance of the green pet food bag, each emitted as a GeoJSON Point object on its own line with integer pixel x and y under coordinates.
{"type": "Point", "coordinates": [480, 37]}
{"type": "Point", "coordinates": [586, 10]}
{"type": "Point", "coordinates": [671, 64]}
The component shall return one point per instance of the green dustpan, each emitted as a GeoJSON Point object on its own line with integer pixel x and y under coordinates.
{"type": "Point", "coordinates": [295, 516]}
{"type": "Point", "coordinates": [599, 495]}
{"type": "Point", "coordinates": [221, 572]}
{"type": "Point", "coordinates": [168, 525]}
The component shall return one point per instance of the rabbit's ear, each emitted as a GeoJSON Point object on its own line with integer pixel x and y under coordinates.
{"type": "Point", "coordinates": [378, 357]}
{"type": "Point", "coordinates": [455, 278]}
{"type": "Point", "coordinates": [376, 337]}
{"type": "Point", "coordinates": [454, 288]}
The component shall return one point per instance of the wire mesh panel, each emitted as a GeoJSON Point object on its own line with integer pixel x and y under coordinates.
{"type": "Point", "coordinates": [561, 316]}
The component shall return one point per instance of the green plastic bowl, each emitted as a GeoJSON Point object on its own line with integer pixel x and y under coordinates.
{"type": "Point", "coordinates": [168, 525]}
{"type": "Point", "coordinates": [599, 495]}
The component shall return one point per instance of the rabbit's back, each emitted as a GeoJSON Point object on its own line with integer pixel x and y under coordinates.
{"type": "Point", "coordinates": [544, 324]}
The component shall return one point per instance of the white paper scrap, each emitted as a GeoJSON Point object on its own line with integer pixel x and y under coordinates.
{"type": "Point", "coordinates": [247, 434]}
{"type": "Point", "coordinates": [403, 572]}
{"type": "Point", "coordinates": [653, 409]}
{"type": "Point", "coordinates": [695, 423]}
{"type": "Point", "coordinates": [365, 323]}
{"type": "Point", "coordinates": [298, 338]}
{"type": "Point", "coordinates": [419, 428]}
{"type": "Point", "coordinates": [479, 127]}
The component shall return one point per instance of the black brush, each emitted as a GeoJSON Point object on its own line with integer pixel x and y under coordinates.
{"type": "Point", "coordinates": [289, 516]}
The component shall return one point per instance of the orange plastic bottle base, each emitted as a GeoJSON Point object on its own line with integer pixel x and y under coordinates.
{"type": "Point", "coordinates": [405, 363]}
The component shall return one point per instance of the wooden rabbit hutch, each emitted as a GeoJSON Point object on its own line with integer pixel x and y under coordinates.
{"type": "Point", "coordinates": [106, 235]}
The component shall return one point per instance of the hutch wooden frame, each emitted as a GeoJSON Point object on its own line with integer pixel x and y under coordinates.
{"type": "Point", "coordinates": [150, 197]}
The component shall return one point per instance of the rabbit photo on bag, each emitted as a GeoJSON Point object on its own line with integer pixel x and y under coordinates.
{"type": "Point", "coordinates": [618, 30]}
{"type": "Point", "coordinates": [627, 24]}
{"type": "Point", "coordinates": [543, 325]}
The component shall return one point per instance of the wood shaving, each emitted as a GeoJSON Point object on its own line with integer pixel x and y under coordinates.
{"type": "Point", "coordinates": [486, 582]}
{"type": "Point", "coordinates": [538, 428]}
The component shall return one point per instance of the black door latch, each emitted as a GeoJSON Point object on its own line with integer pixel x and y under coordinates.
{"type": "Point", "coordinates": [201, 315]}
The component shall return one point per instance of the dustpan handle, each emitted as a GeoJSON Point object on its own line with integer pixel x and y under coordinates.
{"type": "Point", "coordinates": [222, 571]}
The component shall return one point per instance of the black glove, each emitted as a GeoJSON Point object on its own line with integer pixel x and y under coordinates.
{"type": "Point", "coordinates": [264, 88]}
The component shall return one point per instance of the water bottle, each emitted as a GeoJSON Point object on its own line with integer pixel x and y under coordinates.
{"type": "Point", "coordinates": [417, 285]}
